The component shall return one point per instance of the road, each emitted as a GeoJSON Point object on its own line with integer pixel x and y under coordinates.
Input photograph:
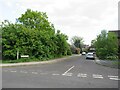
{"type": "Point", "coordinates": [74, 72]}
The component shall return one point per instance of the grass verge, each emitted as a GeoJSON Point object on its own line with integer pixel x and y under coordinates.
{"type": "Point", "coordinates": [30, 60]}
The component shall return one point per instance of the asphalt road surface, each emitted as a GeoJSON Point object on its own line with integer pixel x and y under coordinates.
{"type": "Point", "coordinates": [74, 72]}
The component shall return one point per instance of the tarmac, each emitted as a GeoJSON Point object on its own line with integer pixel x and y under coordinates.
{"type": "Point", "coordinates": [35, 63]}
{"type": "Point", "coordinates": [97, 61]}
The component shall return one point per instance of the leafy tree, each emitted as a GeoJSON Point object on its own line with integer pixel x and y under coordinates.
{"type": "Point", "coordinates": [77, 42]}
{"type": "Point", "coordinates": [62, 44]}
{"type": "Point", "coordinates": [112, 44]}
{"type": "Point", "coordinates": [33, 35]}
{"type": "Point", "coordinates": [8, 40]}
{"type": "Point", "coordinates": [93, 42]}
{"type": "Point", "coordinates": [36, 20]}
{"type": "Point", "coordinates": [73, 49]}
{"type": "Point", "coordinates": [106, 45]}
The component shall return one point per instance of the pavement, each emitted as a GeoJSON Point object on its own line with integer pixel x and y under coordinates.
{"type": "Point", "coordinates": [97, 61]}
{"type": "Point", "coordinates": [35, 63]}
{"type": "Point", "coordinates": [72, 72]}
{"type": "Point", "coordinates": [107, 63]}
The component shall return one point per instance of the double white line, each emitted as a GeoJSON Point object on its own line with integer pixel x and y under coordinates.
{"type": "Point", "coordinates": [82, 75]}
{"type": "Point", "coordinates": [97, 76]}
{"type": "Point", "coordinates": [113, 77]}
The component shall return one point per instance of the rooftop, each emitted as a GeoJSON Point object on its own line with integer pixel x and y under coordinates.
{"type": "Point", "coordinates": [117, 32]}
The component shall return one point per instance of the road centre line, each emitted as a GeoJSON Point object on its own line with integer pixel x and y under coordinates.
{"type": "Point", "coordinates": [68, 70]}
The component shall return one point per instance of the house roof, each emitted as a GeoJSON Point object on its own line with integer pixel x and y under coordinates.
{"type": "Point", "coordinates": [117, 32]}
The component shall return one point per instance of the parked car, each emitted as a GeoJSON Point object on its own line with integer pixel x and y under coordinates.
{"type": "Point", "coordinates": [90, 55]}
{"type": "Point", "coordinates": [83, 53]}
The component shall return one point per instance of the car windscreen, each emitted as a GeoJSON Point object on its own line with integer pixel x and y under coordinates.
{"type": "Point", "coordinates": [90, 54]}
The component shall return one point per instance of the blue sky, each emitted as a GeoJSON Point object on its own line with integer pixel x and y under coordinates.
{"type": "Point", "coordinates": [84, 18]}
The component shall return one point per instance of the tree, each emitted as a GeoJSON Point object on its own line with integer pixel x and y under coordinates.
{"type": "Point", "coordinates": [73, 49]}
{"type": "Point", "coordinates": [63, 46]}
{"type": "Point", "coordinates": [106, 45]}
{"type": "Point", "coordinates": [36, 20]}
{"type": "Point", "coordinates": [93, 42]}
{"type": "Point", "coordinates": [33, 35]}
{"type": "Point", "coordinates": [77, 42]}
{"type": "Point", "coordinates": [8, 41]}
{"type": "Point", "coordinates": [112, 44]}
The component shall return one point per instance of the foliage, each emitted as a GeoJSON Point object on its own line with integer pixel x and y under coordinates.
{"type": "Point", "coordinates": [106, 45]}
{"type": "Point", "coordinates": [77, 42]}
{"type": "Point", "coordinates": [73, 49]}
{"type": "Point", "coordinates": [33, 35]}
{"type": "Point", "coordinates": [93, 43]}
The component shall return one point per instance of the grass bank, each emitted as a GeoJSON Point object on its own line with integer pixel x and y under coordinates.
{"type": "Point", "coordinates": [30, 60]}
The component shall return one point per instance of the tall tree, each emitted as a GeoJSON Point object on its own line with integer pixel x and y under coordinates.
{"type": "Point", "coordinates": [77, 42]}
{"type": "Point", "coordinates": [33, 35]}
{"type": "Point", "coordinates": [36, 20]}
{"type": "Point", "coordinates": [93, 42]}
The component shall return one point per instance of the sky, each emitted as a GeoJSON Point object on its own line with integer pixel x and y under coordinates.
{"type": "Point", "coordinates": [83, 18]}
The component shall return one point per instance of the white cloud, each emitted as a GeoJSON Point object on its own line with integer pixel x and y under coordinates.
{"type": "Point", "coordinates": [73, 17]}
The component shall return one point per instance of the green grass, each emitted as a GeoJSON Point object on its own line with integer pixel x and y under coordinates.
{"type": "Point", "coordinates": [20, 60]}
{"type": "Point", "coordinates": [30, 59]}
{"type": "Point", "coordinates": [116, 63]}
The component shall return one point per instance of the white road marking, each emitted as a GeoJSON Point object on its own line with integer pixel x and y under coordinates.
{"type": "Point", "coordinates": [114, 78]}
{"type": "Point", "coordinates": [55, 74]}
{"type": "Point", "coordinates": [82, 75]}
{"type": "Point", "coordinates": [68, 70]}
{"type": "Point", "coordinates": [97, 76]}
{"type": "Point", "coordinates": [13, 71]}
{"type": "Point", "coordinates": [34, 73]}
{"type": "Point", "coordinates": [68, 74]}
{"type": "Point", "coordinates": [23, 72]}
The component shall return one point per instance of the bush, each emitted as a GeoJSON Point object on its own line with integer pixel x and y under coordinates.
{"type": "Point", "coordinates": [69, 52]}
{"type": "Point", "coordinates": [106, 45]}
{"type": "Point", "coordinates": [33, 38]}
{"type": "Point", "coordinates": [112, 57]}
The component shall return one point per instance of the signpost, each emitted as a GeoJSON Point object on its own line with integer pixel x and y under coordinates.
{"type": "Point", "coordinates": [24, 56]}
{"type": "Point", "coordinates": [17, 54]}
